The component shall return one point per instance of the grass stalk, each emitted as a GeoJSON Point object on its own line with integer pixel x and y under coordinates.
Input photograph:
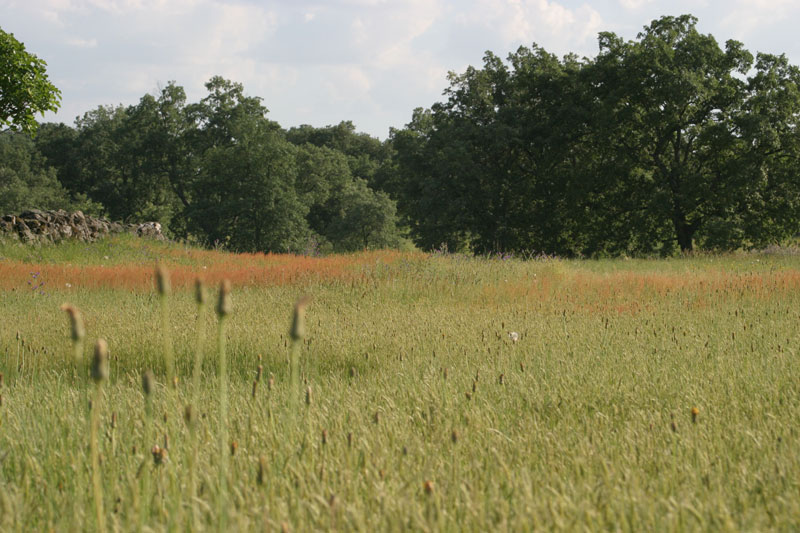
{"type": "Point", "coordinates": [191, 409]}
{"type": "Point", "coordinates": [223, 310]}
{"type": "Point", "coordinates": [163, 287]}
{"type": "Point", "coordinates": [148, 384]}
{"type": "Point", "coordinates": [77, 334]}
{"type": "Point", "coordinates": [99, 375]}
{"type": "Point", "coordinates": [297, 334]}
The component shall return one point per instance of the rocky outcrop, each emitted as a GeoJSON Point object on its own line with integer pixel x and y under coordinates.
{"type": "Point", "coordinates": [35, 226]}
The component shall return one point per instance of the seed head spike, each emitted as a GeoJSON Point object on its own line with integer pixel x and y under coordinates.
{"type": "Point", "coordinates": [100, 361]}
{"type": "Point", "coordinates": [148, 381]}
{"type": "Point", "coordinates": [199, 291]}
{"type": "Point", "coordinates": [298, 330]}
{"type": "Point", "coordinates": [76, 323]}
{"type": "Point", "coordinates": [224, 302]}
{"type": "Point", "coordinates": [162, 280]}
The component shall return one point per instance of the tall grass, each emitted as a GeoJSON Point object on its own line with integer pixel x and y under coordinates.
{"type": "Point", "coordinates": [639, 395]}
{"type": "Point", "coordinates": [99, 375]}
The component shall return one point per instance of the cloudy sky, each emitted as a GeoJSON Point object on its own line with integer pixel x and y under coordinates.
{"type": "Point", "coordinates": [319, 62]}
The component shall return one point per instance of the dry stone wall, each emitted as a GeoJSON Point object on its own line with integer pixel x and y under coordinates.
{"type": "Point", "coordinates": [35, 226]}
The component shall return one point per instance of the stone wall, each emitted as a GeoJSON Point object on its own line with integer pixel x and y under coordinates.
{"type": "Point", "coordinates": [35, 226]}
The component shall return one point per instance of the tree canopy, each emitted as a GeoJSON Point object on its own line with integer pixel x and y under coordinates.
{"type": "Point", "coordinates": [659, 144]}
{"type": "Point", "coordinates": [25, 89]}
{"type": "Point", "coordinates": [662, 142]}
{"type": "Point", "coordinates": [220, 172]}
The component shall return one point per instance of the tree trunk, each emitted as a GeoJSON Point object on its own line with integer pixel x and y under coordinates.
{"type": "Point", "coordinates": [684, 232]}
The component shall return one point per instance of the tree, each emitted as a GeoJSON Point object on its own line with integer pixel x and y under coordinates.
{"type": "Point", "coordinates": [366, 155]}
{"type": "Point", "coordinates": [657, 144]}
{"type": "Point", "coordinates": [767, 209]}
{"type": "Point", "coordinates": [27, 182]}
{"type": "Point", "coordinates": [24, 87]}
{"type": "Point", "coordinates": [667, 105]}
{"type": "Point", "coordinates": [491, 168]}
{"type": "Point", "coordinates": [365, 219]}
{"type": "Point", "coordinates": [243, 195]}
{"type": "Point", "coordinates": [132, 159]}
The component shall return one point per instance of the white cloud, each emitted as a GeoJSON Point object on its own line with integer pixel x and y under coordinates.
{"type": "Point", "coordinates": [82, 43]}
{"type": "Point", "coordinates": [344, 83]}
{"type": "Point", "coordinates": [522, 22]}
{"type": "Point", "coordinates": [322, 61]}
{"type": "Point", "coordinates": [634, 4]}
{"type": "Point", "coordinates": [747, 16]}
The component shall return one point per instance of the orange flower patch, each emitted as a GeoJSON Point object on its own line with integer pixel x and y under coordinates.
{"type": "Point", "coordinates": [241, 269]}
{"type": "Point", "coordinates": [631, 293]}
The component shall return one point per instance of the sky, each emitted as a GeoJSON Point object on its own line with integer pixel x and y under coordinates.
{"type": "Point", "coordinates": [321, 62]}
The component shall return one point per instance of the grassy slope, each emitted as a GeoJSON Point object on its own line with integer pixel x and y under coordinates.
{"type": "Point", "coordinates": [590, 427]}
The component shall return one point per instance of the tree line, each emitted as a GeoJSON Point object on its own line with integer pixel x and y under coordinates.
{"type": "Point", "coordinates": [663, 143]}
{"type": "Point", "coordinates": [217, 171]}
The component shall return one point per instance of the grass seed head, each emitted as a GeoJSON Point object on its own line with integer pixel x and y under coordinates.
{"type": "Point", "coordinates": [159, 454]}
{"type": "Point", "coordinates": [261, 473]}
{"type": "Point", "coordinates": [224, 302]}
{"type": "Point", "coordinates": [100, 361]}
{"type": "Point", "coordinates": [78, 331]}
{"type": "Point", "coordinates": [200, 292]}
{"type": "Point", "coordinates": [148, 382]}
{"type": "Point", "coordinates": [163, 285]}
{"type": "Point", "coordinates": [298, 330]}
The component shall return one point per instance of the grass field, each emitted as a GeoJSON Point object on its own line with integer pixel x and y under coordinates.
{"type": "Point", "coordinates": [641, 395]}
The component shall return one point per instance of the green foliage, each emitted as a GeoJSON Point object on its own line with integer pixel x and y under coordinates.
{"type": "Point", "coordinates": [363, 219]}
{"type": "Point", "coordinates": [27, 182]}
{"type": "Point", "coordinates": [656, 144]}
{"type": "Point", "coordinates": [366, 156]}
{"type": "Point", "coordinates": [24, 87]}
{"type": "Point", "coordinates": [219, 172]}
{"type": "Point", "coordinates": [244, 194]}
{"type": "Point", "coordinates": [343, 210]}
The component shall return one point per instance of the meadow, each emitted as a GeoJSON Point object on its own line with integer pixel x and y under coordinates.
{"type": "Point", "coordinates": [432, 392]}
